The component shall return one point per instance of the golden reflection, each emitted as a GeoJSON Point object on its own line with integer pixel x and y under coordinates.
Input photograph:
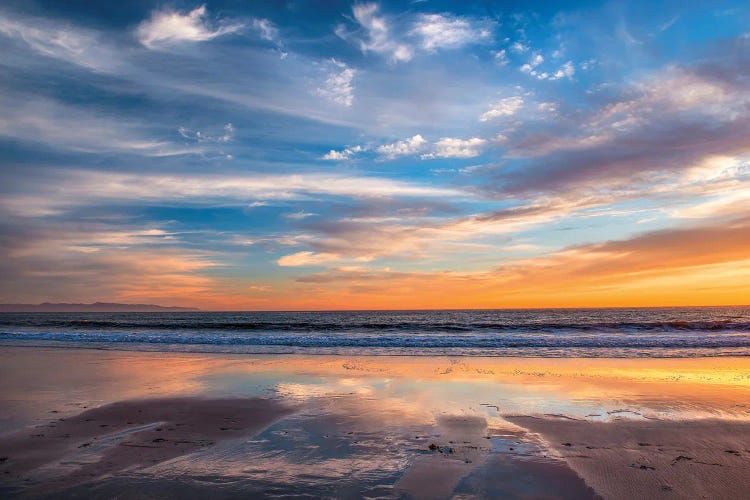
{"type": "Point", "coordinates": [420, 388]}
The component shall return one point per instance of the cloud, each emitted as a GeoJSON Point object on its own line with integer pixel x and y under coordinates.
{"type": "Point", "coordinates": [80, 261]}
{"type": "Point", "coordinates": [660, 125]}
{"type": "Point", "coordinates": [45, 121]}
{"type": "Point", "coordinates": [665, 26]}
{"type": "Point", "coordinates": [415, 234]}
{"type": "Point", "coordinates": [344, 154]}
{"type": "Point", "coordinates": [547, 107]}
{"type": "Point", "coordinates": [198, 136]}
{"type": "Point", "coordinates": [377, 33]}
{"type": "Point", "coordinates": [659, 252]}
{"type": "Point", "coordinates": [504, 107]}
{"type": "Point", "coordinates": [567, 70]}
{"type": "Point", "coordinates": [451, 147]}
{"type": "Point", "coordinates": [501, 56]}
{"type": "Point", "coordinates": [169, 27]}
{"type": "Point", "coordinates": [266, 29]}
{"type": "Point", "coordinates": [428, 32]}
{"type": "Point", "coordinates": [299, 215]}
{"type": "Point", "coordinates": [444, 31]}
{"type": "Point", "coordinates": [338, 85]}
{"type": "Point", "coordinates": [74, 45]}
{"type": "Point", "coordinates": [306, 259]}
{"type": "Point", "coordinates": [76, 188]}
{"type": "Point", "coordinates": [683, 266]}
{"type": "Point", "coordinates": [406, 147]}
{"type": "Point", "coordinates": [536, 60]}
{"type": "Point", "coordinates": [519, 47]}
{"type": "Point", "coordinates": [528, 68]}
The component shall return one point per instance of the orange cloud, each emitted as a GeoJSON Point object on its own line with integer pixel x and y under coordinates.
{"type": "Point", "coordinates": [709, 266]}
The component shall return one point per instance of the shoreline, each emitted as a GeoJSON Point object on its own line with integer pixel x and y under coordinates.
{"type": "Point", "coordinates": [231, 349]}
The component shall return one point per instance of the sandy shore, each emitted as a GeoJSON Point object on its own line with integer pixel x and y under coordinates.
{"type": "Point", "coordinates": [103, 424]}
{"type": "Point", "coordinates": [652, 459]}
{"type": "Point", "coordinates": [126, 435]}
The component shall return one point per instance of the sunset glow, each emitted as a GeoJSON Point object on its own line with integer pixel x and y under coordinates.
{"type": "Point", "coordinates": [276, 156]}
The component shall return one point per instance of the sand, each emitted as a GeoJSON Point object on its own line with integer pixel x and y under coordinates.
{"type": "Point", "coordinates": [102, 424]}
{"type": "Point", "coordinates": [652, 459]}
{"type": "Point", "coordinates": [125, 436]}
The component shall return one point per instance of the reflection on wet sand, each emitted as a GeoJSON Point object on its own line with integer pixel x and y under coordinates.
{"type": "Point", "coordinates": [332, 426]}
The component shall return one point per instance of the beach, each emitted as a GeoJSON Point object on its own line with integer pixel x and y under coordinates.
{"type": "Point", "coordinates": [95, 423]}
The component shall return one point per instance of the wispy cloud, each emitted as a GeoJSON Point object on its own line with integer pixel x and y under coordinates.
{"type": "Point", "coordinates": [633, 271]}
{"type": "Point", "coordinates": [445, 31]}
{"type": "Point", "coordinates": [63, 126]}
{"type": "Point", "coordinates": [266, 29]}
{"type": "Point", "coordinates": [375, 34]}
{"type": "Point", "coordinates": [168, 27]}
{"type": "Point", "coordinates": [306, 259]}
{"type": "Point", "coordinates": [82, 47]}
{"type": "Point", "coordinates": [200, 136]}
{"type": "Point", "coordinates": [82, 188]}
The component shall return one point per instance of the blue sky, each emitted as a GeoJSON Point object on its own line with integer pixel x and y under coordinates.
{"type": "Point", "coordinates": [336, 154]}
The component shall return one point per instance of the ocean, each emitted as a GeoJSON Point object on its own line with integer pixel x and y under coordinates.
{"type": "Point", "coordinates": [632, 332]}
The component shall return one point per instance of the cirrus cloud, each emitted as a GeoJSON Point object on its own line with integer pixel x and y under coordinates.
{"type": "Point", "coordinates": [439, 31]}
{"type": "Point", "coordinates": [168, 27]}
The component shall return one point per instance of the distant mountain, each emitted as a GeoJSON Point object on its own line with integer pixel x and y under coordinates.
{"type": "Point", "coordinates": [95, 307]}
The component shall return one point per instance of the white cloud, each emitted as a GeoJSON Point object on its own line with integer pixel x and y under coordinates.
{"type": "Point", "coordinates": [167, 27]}
{"type": "Point", "coordinates": [50, 122]}
{"type": "Point", "coordinates": [338, 85]}
{"type": "Point", "coordinates": [199, 136]}
{"type": "Point", "coordinates": [445, 31]}
{"type": "Point", "coordinates": [530, 67]}
{"type": "Point", "coordinates": [501, 56]}
{"type": "Point", "coordinates": [504, 107]}
{"type": "Point", "coordinates": [406, 147]}
{"type": "Point", "coordinates": [567, 70]}
{"type": "Point", "coordinates": [77, 46]}
{"type": "Point", "coordinates": [451, 147]}
{"type": "Point", "coordinates": [519, 48]}
{"type": "Point", "coordinates": [299, 215]}
{"type": "Point", "coordinates": [344, 154]}
{"type": "Point", "coordinates": [306, 259]}
{"type": "Point", "coordinates": [336, 155]}
{"type": "Point", "coordinates": [378, 37]}
{"type": "Point", "coordinates": [266, 29]}
{"type": "Point", "coordinates": [76, 188]}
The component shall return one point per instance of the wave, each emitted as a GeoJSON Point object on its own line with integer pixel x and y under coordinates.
{"type": "Point", "coordinates": [420, 341]}
{"type": "Point", "coordinates": [601, 332]}
{"type": "Point", "coordinates": [438, 327]}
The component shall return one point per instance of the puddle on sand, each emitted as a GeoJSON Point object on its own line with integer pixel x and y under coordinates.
{"type": "Point", "coordinates": [344, 455]}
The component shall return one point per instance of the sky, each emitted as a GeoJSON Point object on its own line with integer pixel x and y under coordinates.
{"type": "Point", "coordinates": [296, 155]}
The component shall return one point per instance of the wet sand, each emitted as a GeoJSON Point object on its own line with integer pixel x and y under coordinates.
{"type": "Point", "coordinates": [131, 434]}
{"type": "Point", "coordinates": [652, 459]}
{"type": "Point", "coordinates": [98, 424]}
